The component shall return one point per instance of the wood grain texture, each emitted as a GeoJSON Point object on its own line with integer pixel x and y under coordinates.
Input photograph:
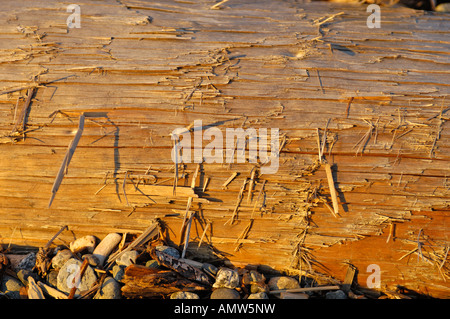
{"type": "Point", "coordinates": [139, 69]}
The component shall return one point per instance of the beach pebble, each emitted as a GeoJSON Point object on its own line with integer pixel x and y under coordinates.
{"type": "Point", "coordinates": [283, 282]}
{"type": "Point", "coordinates": [61, 257]}
{"type": "Point", "coordinates": [256, 276]}
{"type": "Point", "coordinates": [109, 290]}
{"type": "Point", "coordinates": [152, 264]}
{"type": "Point", "coordinates": [258, 287]}
{"type": "Point", "coordinates": [27, 262]}
{"type": "Point", "coordinates": [118, 272]}
{"type": "Point", "coordinates": [52, 278]}
{"type": "Point", "coordinates": [338, 294]}
{"type": "Point", "coordinates": [10, 286]}
{"type": "Point", "coordinates": [226, 278]}
{"type": "Point", "coordinates": [168, 250]}
{"type": "Point", "coordinates": [443, 7]}
{"type": "Point", "coordinates": [225, 293]}
{"type": "Point", "coordinates": [92, 259]}
{"type": "Point", "coordinates": [256, 281]}
{"type": "Point", "coordinates": [127, 258]}
{"type": "Point", "coordinates": [184, 295]}
{"type": "Point", "coordinates": [258, 295]}
{"type": "Point", "coordinates": [67, 273]}
{"type": "Point", "coordinates": [83, 243]}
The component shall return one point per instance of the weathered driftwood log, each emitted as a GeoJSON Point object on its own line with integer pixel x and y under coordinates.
{"type": "Point", "coordinates": [376, 99]}
{"type": "Point", "coordinates": [183, 268]}
{"type": "Point", "coordinates": [147, 282]}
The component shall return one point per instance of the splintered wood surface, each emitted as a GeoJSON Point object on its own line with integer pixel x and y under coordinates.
{"type": "Point", "coordinates": [373, 102]}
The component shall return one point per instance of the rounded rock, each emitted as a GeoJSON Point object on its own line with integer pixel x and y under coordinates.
{"type": "Point", "coordinates": [61, 257]}
{"type": "Point", "coordinates": [257, 287]}
{"type": "Point", "coordinates": [127, 258]}
{"type": "Point", "coordinates": [52, 278]}
{"type": "Point", "coordinates": [184, 295]}
{"type": "Point", "coordinates": [118, 272]}
{"type": "Point", "coordinates": [258, 295]}
{"type": "Point", "coordinates": [10, 286]}
{"type": "Point", "coordinates": [225, 293]}
{"type": "Point", "coordinates": [152, 264]}
{"type": "Point", "coordinates": [84, 243]}
{"type": "Point", "coordinates": [92, 259]}
{"type": "Point", "coordinates": [282, 283]}
{"type": "Point", "coordinates": [109, 290]}
{"type": "Point", "coordinates": [226, 278]}
{"type": "Point", "coordinates": [338, 294]}
{"type": "Point", "coordinates": [69, 271]}
{"type": "Point", "coordinates": [27, 262]}
{"type": "Point", "coordinates": [168, 250]}
{"type": "Point", "coordinates": [443, 7]}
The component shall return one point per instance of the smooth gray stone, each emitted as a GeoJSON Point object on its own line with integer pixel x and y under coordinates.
{"type": "Point", "coordinates": [27, 262]}
{"type": "Point", "coordinates": [109, 290]}
{"type": "Point", "coordinates": [61, 257]}
{"type": "Point", "coordinates": [118, 272]}
{"type": "Point", "coordinates": [127, 258]}
{"type": "Point", "coordinates": [225, 293]}
{"type": "Point", "coordinates": [338, 294]}
{"type": "Point", "coordinates": [68, 272]}
{"type": "Point", "coordinates": [92, 259]}
{"type": "Point", "coordinates": [52, 278]}
{"type": "Point", "coordinates": [10, 286]}
{"type": "Point", "coordinates": [168, 250]}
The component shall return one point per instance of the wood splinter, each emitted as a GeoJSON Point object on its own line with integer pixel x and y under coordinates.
{"type": "Point", "coordinates": [347, 111]}
{"type": "Point", "coordinates": [23, 112]}
{"type": "Point", "coordinates": [209, 223]}
{"type": "Point", "coordinates": [391, 232]}
{"type": "Point", "coordinates": [333, 192]}
{"type": "Point", "coordinates": [188, 206]}
{"type": "Point", "coordinates": [233, 216]}
{"type": "Point", "coordinates": [250, 188]}
{"type": "Point", "coordinates": [188, 231]}
{"type": "Point", "coordinates": [259, 196]}
{"type": "Point", "coordinates": [229, 180]}
{"type": "Point", "coordinates": [67, 158]}
{"type": "Point", "coordinates": [243, 235]}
